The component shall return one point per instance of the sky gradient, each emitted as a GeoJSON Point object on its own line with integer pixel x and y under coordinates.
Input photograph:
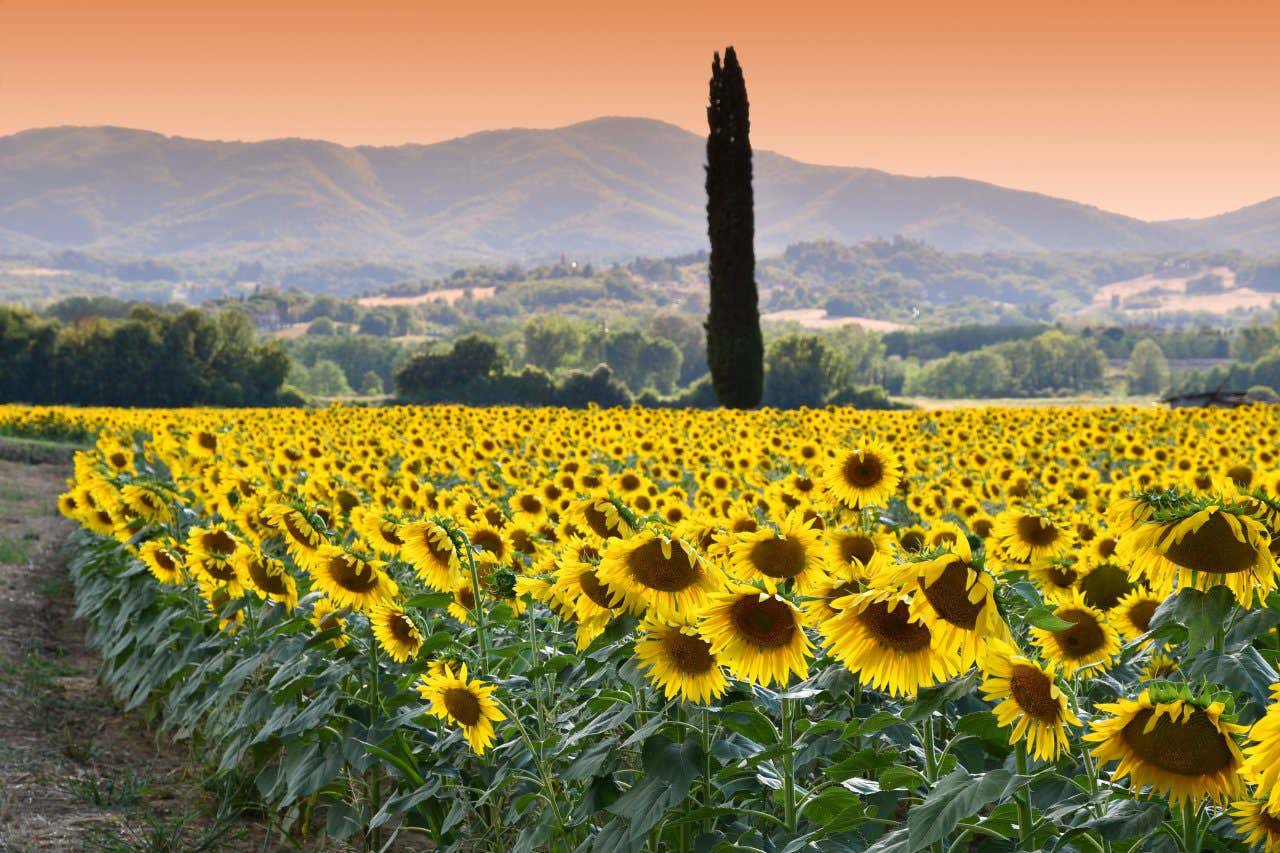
{"type": "Point", "coordinates": [1168, 110]}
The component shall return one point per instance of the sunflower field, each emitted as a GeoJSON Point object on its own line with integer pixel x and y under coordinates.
{"type": "Point", "coordinates": [615, 630]}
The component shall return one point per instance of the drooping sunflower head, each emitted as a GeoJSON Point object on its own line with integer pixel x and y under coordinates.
{"type": "Point", "coordinates": [428, 548]}
{"type": "Point", "coordinates": [867, 475]}
{"type": "Point", "coordinates": [877, 638]}
{"type": "Point", "coordinates": [956, 599]}
{"type": "Point", "coordinates": [465, 703]}
{"type": "Point", "coordinates": [1030, 700]}
{"type": "Point", "coordinates": [679, 660]}
{"type": "Point", "coordinates": [1090, 641]}
{"type": "Point", "coordinates": [757, 636]}
{"type": "Point", "coordinates": [396, 632]}
{"type": "Point", "coordinates": [865, 552]}
{"type": "Point", "coordinates": [1178, 746]}
{"type": "Point", "coordinates": [350, 579]}
{"type": "Point", "coordinates": [1132, 614]}
{"type": "Point", "coordinates": [1104, 585]}
{"type": "Point", "coordinates": [599, 517]}
{"type": "Point", "coordinates": [164, 562]}
{"type": "Point", "coordinates": [1203, 544]}
{"type": "Point", "coordinates": [326, 617]}
{"type": "Point", "coordinates": [303, 534]}
{"type": "Point", "coordinates": [653, 572]}
{"type": "Point", "coordinates": [269, 577]}
{"type": "Point", "coordinates": [147, 503]}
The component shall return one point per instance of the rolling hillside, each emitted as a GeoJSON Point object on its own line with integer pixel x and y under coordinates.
{"type": "Point", "coordinates": [608, 188]}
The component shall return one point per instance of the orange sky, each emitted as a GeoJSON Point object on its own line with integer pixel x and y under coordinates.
{"type": "Point", "coordinates": [1172, 109]}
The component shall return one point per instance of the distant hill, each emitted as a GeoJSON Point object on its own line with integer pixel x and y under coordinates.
{"type": "Point", "coordinates": [1254, 229]}
{"type": "Point", "coordinates": [608, 188]}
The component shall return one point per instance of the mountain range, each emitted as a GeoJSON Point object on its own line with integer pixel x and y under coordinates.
{"type": "Point", "coordinates": [606, 188]}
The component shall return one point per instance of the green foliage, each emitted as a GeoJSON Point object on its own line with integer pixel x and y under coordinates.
{"type": "Point", "coordinates": [1148, 369]}
{"type": "Point", "coordinates": [1050, 364]}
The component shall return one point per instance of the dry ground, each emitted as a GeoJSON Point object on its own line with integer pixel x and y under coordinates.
{"type": "Point", "coordinates": [75, 773]}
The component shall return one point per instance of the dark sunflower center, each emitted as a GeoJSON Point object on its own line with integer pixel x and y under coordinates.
{"type": "Point", "coordinates": [530, 504]}
{"type": "Point", "coordinates": [1033, 691]}
{"type": "Point", "coordinates": [629, 482]}
{"type": "Point", "coordinates": [863, 471]}
{"type": "Point", "coordinates": [690, 655]}
{"type": "Point", "coordinates": [220, 570]}
{"type": "Point", "coordinates": [1195, 747]}
{"type": "Point", "coordinates": [462, 705]}
{"type": "Point", "coordinates": [1107, 547]}
{"type": "Point", "coordinates": [912, 540]}
{"type": "Point", "coordinates": [352, 574]}
{"type": "Point", "coordinates": [208, 441]}
{"type": "Point", "coordinates": [599, 523]}
{"type": "Point", "coordinates": [491, 541]}
{"type": "Point", "coordinates": [1061, 577]}
{"type": "Point", "coordinates": [651, 568]}
{"type": "Point", "coordinates": [266, 580]}
{"type": "Point", "coordinates": [389, 533]}
{"type": "Point", "coordinates": [594, 590]}
{"type": "Point", "coordinates": [1213, 548]}
{"type": "Point", "coordinates": [1241, 474]}
{"type": "Point", "coordinates": [855, 546]}
{"type": "Point", "coordinates": [982, 527]}
{"type": "Point", "coordinates": [778, 558]}
{"type": "Point", "coordinates": [949, 596]}
{"type": "Point", "coordinates": [1083, 638]}
{"type": "Point", "coordinates": [219, 542]}
{"type": "Point", "coordinates": [770, 623]}
{"type": "Point", "coordinates": [402, 629]}
{"type": "Point", "coordinates": [466, 597]}
{"type": "Point", "coordinates": [745, 525]}
{"type": "Point", "coordinates": [118, 460]}
{"type": "Point", "coordinates": [293, 525]}
{"type": "Point", "coordinates": [1105, 586]}
{"type": "Point", "coordinates": [1140, 614]}
{"type": "Point", "coordinates": [1269, 823]}
{"type": "Point", "coordinates": [891, 625]}
{"type": "Point", "coordinates": [1036, 532]}
{"type": "Point", "coordinates": [438, 546]}
{"type": "Point", "coordinates": [165, 561]}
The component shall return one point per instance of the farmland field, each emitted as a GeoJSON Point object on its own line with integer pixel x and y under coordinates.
{"type": "Point", "coordinates": [628, 629]}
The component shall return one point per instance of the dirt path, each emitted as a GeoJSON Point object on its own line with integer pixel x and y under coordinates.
{"type": "Point", "coordinates": [75, 773]}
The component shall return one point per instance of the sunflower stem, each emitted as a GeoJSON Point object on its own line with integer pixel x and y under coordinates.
{"type": "Point", "coordinates": [375, 769]}
{"type": "Point", "coordinates": [708, 793]}
{"type": "Point", "coordinates": [462, 545]}
{"type": "Point", "coordinates": [788, 765]}
{"type": "Point", "coordinates": [930, 751]}
{"type": "Point", "coordinates": [1024, 797]}
{"type": "Point", "coordinates": [1190, 827]}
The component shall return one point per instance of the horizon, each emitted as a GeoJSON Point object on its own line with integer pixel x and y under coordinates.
{"type": "Point", "coordinates": [1158, 113]}
{"type": "Point", "coordinates": [426, 143]}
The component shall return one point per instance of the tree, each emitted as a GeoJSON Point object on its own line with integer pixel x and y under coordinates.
{"type": "Point", "coordinates": [803, 371]}
{"type": "Point", "coordinates": [551, 342]}
{"type": "Point", "coordinates": [1148, 369]}
{"type": "Point", "coordinates": [735, 345]}
{"type": "Point", "coordinates": [326, 379]}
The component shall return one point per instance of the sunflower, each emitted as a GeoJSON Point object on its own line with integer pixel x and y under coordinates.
{"type": "Point", "coordinates": [1104, 586]}
{"type": "Point", "coordinates": [757, 636]}
{"type": "Point", "coordinates": [1029, 536]}
{"type": "Point", "coordinates": [377, 531]}
{"type": "Point", "coordinates": [1132, 614]}
{"type": "Point", "coordinates": [396, 632]}
{"type": "Point", "coordinates": [875, 636]}
{"type": "Point", "coordinates": [269, 577]}
{"type": "Point", "coordinates": [1089, 642]}
{"type": "Point", "coordinates": [325, 617]}
{"type": "Point", "coordinates": [793, 553]}
{"type": "Point", "coordinates": [1262, 762]}
{"type": "Point", "coordinates": [1212, 546]}
{"type": "Point", "coordinates": [468, 704]}
{"type": "Point", "coordinates": [303, 537]}
{"type": "Point", "coordinates": [164, 562]}
{"type": "Point", "coordinates": [1057, 578]}
{"type": "Point", "coordinates": [865, 551]}
{"type": "Point", "coordinates": [1256, 823]}
{"type": "Point", "coordinates": [955, 599]}
{"type": "Point", "coordinates": [213, 554]}
{"type": "Point", "coordinates": [146, 503]}
{"type": "Point", "coordinates": [677, 659]}
{"type": "Point", "coordinates": [350, 580]}
{"type": "Point", "coordinates": [649, 572]}
{"type": "Point", "coordinates": [428, 548]}
{"type": "Point", "coordinates": [1181, 748]}
{"type": "Point", "coordinates": [820, 603]}
{"type": "Point", "coordinates": [601, 517]}
{"type": "Point", "coordinates": [1032, 702]}
{"type": "Point", "coordinates": [868, 475]}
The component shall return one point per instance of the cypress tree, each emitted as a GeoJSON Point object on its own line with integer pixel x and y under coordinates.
{"type": "Point", "coordinates": [735, 346]}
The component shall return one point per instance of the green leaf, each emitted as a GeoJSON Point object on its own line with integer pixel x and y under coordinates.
{"type": "Point", "coordinates": [1202, 614]}
{"type": "Point", "coordinates": [932, 699]}
{"type": "Point", "coordinates": [1128, 819]}
{"type": "Point", "coordinates": [836, 810]}
{"type": "Point", "coordinates": [902, 776]}
{"type": "Point", "coordinates": [745, 719]}
{"type": "Point", "coordinates": [954, 798]}
{"type": "Point", "coordinates": [1043, 617]}
{"type": "Point", "coordinates": [869, 760]}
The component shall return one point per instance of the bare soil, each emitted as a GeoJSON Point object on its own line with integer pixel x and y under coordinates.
{"type": "Point", "coordinates": [76, 773]}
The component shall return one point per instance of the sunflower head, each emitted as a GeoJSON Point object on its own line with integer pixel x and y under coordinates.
{"type": "Point", "coordinates": [463, 702]}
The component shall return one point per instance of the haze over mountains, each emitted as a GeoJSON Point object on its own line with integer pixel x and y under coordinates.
{"type": "Point", "coordinates": [607, 188]}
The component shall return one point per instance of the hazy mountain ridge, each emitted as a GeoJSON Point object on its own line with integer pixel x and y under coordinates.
{"type": "Point", "coordinates": [607, 188]}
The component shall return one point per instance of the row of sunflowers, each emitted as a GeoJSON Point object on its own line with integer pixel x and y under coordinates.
{"type": "Point", "coordinates": [636, 629]}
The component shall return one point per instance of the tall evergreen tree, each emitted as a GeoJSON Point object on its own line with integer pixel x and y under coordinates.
{"type": "Point", "coordinates": [735, 346]}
